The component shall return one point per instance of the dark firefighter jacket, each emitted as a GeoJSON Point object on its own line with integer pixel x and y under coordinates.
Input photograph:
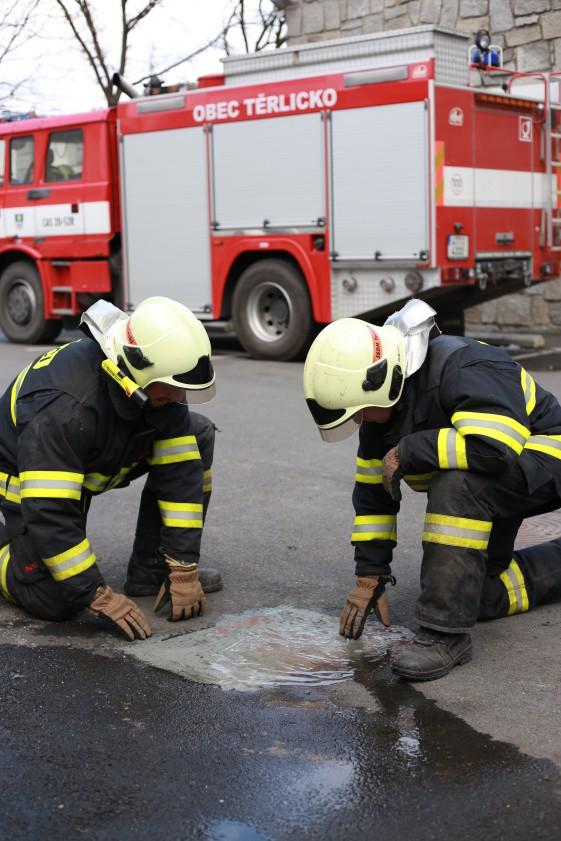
{"type": "Point", "coordinates": [68, 432]}
{"type": "Point", "coordinates": [469, 407]}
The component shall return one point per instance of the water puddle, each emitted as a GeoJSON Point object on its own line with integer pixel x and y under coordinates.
{"type": "Point", "coordinates": [233, 831]}
{"type": "Point", "coordinates": [280, 646]}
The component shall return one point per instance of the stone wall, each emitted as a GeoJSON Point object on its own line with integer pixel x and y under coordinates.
{"type": "Point", "coordinates": [529, 32]}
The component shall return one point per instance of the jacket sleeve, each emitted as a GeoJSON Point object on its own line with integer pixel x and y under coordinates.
{"type": "Point", "coordinates": [176, 476]}
{"type": "Point", "coordinates": [51, 452]}
{"type": "Point", "coordinates": [374, 531]}
{"type": "Point", "coordinates": [489, 424]}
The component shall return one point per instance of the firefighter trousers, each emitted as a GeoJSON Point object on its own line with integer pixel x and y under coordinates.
{"type": "Point", "coordinates": [470, 570]}
{"type": "Point", "coordinates": [26, 582]}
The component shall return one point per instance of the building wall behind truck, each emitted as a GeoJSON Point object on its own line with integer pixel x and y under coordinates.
{"type": "Point", "coordinates": [529, 32]}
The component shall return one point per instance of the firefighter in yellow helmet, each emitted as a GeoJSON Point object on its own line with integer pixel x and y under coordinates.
{"type": "Point", "coordinates": [464, 422]}
{"type": "Point", "coordinates": [93, 415]}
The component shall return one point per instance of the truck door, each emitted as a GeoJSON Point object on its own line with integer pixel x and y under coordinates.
{"type": "Point", "coordinates": [19, 213]}
{"type": "Point", "coordinates": [58, 203]}
{"type": "Point", "coordinates": [379, 182]}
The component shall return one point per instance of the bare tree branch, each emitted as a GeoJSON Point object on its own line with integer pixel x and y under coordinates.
{"type": "Point", "coordinates": [80, 17]}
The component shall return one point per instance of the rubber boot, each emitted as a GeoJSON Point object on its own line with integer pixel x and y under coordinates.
{"type": "Point", "coordinates": [432, 654]}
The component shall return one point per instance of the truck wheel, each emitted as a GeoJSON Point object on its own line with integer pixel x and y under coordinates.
{"type": "Point", "coordinates": [21, 306]}
{"type": "Point", "coordinates": [271, 310]}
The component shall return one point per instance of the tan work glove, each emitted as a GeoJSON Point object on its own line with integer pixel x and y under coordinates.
{"type": "Point", "coordinates": [182, 589]}
{"type": "Point", "coordinates": [123, 612]}
{"type": "Point", "coordinates": [392, 473]}
{"type": "Point", "coordinates": [368, 594]}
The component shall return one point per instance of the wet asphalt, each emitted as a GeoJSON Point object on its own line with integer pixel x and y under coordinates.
{"type": "Point", "coordinates": [96, 745]}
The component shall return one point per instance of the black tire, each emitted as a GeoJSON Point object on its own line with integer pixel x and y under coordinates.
{"type": "Point", "coordinates": [271, 311]}
{"type": "Point", "coordinates": [21, 306]}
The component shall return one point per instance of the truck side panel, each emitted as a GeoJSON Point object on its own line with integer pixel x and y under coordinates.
{"type": "Point", "coordinates": [269, 173]}
{"type": "Point", "coordinates": [166, 216]}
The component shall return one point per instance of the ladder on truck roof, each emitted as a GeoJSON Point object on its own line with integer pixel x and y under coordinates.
{"type": "Point", "coordinates": [552, 151]}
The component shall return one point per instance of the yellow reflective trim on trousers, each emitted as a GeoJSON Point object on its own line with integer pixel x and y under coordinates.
{"type": "Point", "coordinates": [207, 481]}
{"type": "Point", "coordinates": [499, 427]}
{"type": "Point", "coordinates": [456, 531]}
{"type": "Point", "coordinates": [15, 391]}
{"type": "Point", "coordinates": [529, 389]}
{"type": "Point", "coordinates": [59, 484]}
{"type": "Point", "coordinates": [10, 488]}
{"type": "Point", "coordinates": [369, 471]}
{"type": "Point", "coordinates": [548, 444]}
{"type": "Point", "coordinates": [452, 453]}
{"type": "Point", "coordinates": [4, 561]}
{"type": "Point", "coordinates": [181, 514]}
{"type": "Point", "coordinates": [71, 562]}
{"type": "Point", "coordinates": [419, 481]}
{"type": "Point", "coordinates": [96, 482]}
{"type": "Point", "coordinates": [170, 450]}
{"type": "Point", "coordinates": [121, 475]}
{"type": "Point", "coordinates": [374, 527]}
{"type": "Point", "coordinates": [515, 585]}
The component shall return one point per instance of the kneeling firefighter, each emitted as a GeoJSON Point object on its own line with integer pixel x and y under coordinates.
{"type": "Point", "coordinates": [464, 422]}
{"type": "Point", "coordinates": [93, 415]}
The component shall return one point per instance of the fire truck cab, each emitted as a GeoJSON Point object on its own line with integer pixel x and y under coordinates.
{"type": "Point", "coordinates": [302, 185]}
{"type": "Point", "coordinates": [59, 221]}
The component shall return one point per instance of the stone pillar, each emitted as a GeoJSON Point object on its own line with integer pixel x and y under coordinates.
{"type": "Point", "coordinates": [529, 31]}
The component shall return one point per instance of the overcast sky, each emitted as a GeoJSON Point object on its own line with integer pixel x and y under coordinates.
{"type": "Point", "coordinates": [61, 81]}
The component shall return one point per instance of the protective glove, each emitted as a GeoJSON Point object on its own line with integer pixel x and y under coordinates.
{"type": "Point", "coordinates": [392, 473]}
{"type": "Point", "coordinates": [182, 589]}
{"type": "Point", "coordinates": [369, 594]}
{"type": "Point", "coordinates": [123, 612]}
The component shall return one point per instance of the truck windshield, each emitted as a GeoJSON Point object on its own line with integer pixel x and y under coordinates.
{"type": "Point", "coordinates": [21, 160]}
{"type": "Point", "coordinates": [64, 156]}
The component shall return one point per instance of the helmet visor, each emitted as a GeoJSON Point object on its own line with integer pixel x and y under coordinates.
{"type": "Point", "coordinates": [333, 424]}
{"type": "Point", "coordinates": [201, 374]}
{"type": "Point", "coordinates": [338, 433]}
{"type": "Point", "coordinates": [200, 395]}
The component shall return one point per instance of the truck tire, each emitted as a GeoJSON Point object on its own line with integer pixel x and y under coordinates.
{"type": "Point", "coordinates": [271, 310]}
{"type": "Point", "coordinates": [21, 306]}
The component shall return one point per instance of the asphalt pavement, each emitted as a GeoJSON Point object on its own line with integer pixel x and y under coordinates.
{"type": "Point", "coordinates": [98, 742]}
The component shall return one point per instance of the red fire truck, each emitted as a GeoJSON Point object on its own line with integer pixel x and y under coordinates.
{"type": "Point", "coordinates": [319, 181]}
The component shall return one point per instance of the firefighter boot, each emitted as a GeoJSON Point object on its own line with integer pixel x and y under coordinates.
{"type": "Point", "coordinates": [145, 576]}
{"type": "Point", "coordinates": [432, 654]}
